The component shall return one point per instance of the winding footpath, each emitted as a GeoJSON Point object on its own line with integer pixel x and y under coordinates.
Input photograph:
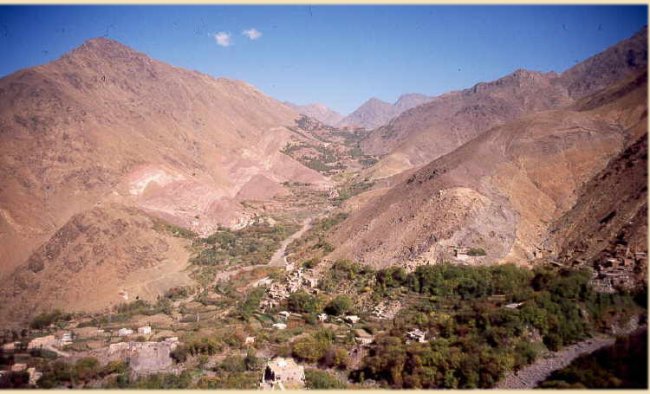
{"type": "Point", "coordinates": [277, 260]}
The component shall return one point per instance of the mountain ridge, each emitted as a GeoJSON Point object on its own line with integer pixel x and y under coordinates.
{"type": "Point", "coordinates": [107, 129]}
{"type": "Point", "coordinates": [498, 192]}
{"type": "Point", "coordinates": [375, 112]}
{"type": "Point", "coordinates": [317, 111]}
{"type": "Point", "coordinates": [435, 128]}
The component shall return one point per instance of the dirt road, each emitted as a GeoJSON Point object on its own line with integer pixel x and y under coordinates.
{"type": "Point", "coordinates": [530, 376]}
{"type": "Point", "coordinates": [277, 260]}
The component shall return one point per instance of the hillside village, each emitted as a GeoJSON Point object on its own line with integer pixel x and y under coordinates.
{"type": "Point", "coordinates": [298, 326]}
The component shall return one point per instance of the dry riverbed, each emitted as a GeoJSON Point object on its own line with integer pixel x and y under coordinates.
{"type": "Point", "coordinates": [530, 376]}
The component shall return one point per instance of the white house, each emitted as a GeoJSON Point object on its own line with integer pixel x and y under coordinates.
{"type": "Point", "coordinates": [145, 330]}
{"type": "Point", "coordinates": [362, 337]}
{"type": "Point", "coordinates": [353, 319]}
{"type": "Point", "coordinates": [417, 335]}
{"type": "Point", "coordinates": [125, 332]}
{"type": "Point", "coordinates": [66, 339]}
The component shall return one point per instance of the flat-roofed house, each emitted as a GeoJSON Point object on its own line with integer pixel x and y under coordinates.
{"type": "Point", "coordinates": [283, 372]}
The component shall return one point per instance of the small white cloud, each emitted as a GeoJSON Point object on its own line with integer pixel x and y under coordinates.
{"type": "Point", "coordinates": [223, 39]}
{"type": "Point", "coordinates": [252, 33]}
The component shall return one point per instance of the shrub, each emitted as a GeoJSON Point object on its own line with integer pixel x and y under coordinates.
{"type": "Point", "coordinates": [339, 305]}
{"type": "Point", "coordinates": [117, 366]}
{"type": "Point", "coordinates": [45, 319]}
{"type": "Point", "coordinates": [87, 369]}
{"type": "Point", "coordinates": [252, 362]}
{"type": "Point", "coordinates": [179, 354]}
{"type": "Point", "coordinates": [311, 263]}
{"type": "Point", "coordinates": [336, 357]}
{"type": "Point", "coordinates": [176, 293]}
{"type": "Point", "coordinates": [320, 380]}
{"type": "Point", "coordinates": [476, 252]}
{"type": "Point", "coordinates": [233, 364]}
{"type": "Point", "coordinates": [204, 345]}
{"type": "Point", "coordinates": [55, 374]}
{"type": "Point", "coordinates": [302, 302]}
{"type": "Point", "coordinates": [307, 349]}
{"type": "Point", "coordinates": [235, 380]}
{"type": "Point", "coordinates": [314, 347]}
{"type": "Point", "coordinates": [164, 381]}
{"type": "Point", "coordinates": [251, 303]}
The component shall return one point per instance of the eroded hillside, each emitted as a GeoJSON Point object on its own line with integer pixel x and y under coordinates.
{"type": "Point", "coordinates": [500, 192]}
{"type": "Point", "coordinates": [107, 126]}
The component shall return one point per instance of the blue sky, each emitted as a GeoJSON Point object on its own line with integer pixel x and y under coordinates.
{"type": "Point", "coordinates": [336, 55]}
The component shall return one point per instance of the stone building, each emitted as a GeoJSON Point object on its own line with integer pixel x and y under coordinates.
{"type": "Point", "coordinates": [144, 357]}
{"type": "Point", "coordinates": [284, 372]}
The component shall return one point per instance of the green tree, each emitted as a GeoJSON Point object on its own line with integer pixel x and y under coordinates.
{"type": "Point", "coordinates": [251, 303]}
{"type": "Point", "coordinates": [321, 380]}
{"type": "Point", "coordinates": [87, 368]}
{"type": "Point", "coordinates": [252, 362]}
{"type": "Point", "coordinates": [339, 305]}
{"type": "Point", "coordinates": [302, 302]}
{"type": "Point", "coordinates": [233, 364]}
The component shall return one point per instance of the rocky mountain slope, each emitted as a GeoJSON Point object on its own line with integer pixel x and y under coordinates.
{"type": "Point", "coordinates": [438, 127]}
{"type": "Point", "coordinates": [375, 112]}
{"type": "Point", "coordinates": [499, 193]}
{"type": "Point", "coordinates": [610, 217]}
{"type": "Point", "coordinates": [105, 130]}
{"type": "Point", "coordinates": [317, 111]}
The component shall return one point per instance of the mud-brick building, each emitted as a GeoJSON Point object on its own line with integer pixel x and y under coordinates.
{"type": "Point", "coordinates": [284, 372]}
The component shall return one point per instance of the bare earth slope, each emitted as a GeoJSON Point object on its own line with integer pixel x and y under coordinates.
{"type": "Point", "coordinates": [429, 131]}
{"type": "Point", "coordinates": [612, 210]}
{"type": "Point", "coordinates": [501, 191]}
{"type": "Point", "coordinates": [107, 125]}
{"type": "Point", "coordinates": [92, 260]}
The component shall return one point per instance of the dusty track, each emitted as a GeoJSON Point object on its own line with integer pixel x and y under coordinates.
{"type": "Point", "coordinates": [530, 376]}
{"type": "Point", "coordinates": [277, 260]}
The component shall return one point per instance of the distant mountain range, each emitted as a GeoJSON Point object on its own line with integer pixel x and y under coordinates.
{"type": "Point", "coordinates": [373, 113]}
{"type": "Point", "coordinates": [317, 111]}
{"type": "Point", "coordinates": [446, 122]}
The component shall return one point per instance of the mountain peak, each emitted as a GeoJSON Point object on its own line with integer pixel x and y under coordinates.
{"type": "Point", "coordinates": [106, 48]}
{"type": "Point", "coordinates": [375, 100]}
{"type": "Point", "coordinates": [317, 111]}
